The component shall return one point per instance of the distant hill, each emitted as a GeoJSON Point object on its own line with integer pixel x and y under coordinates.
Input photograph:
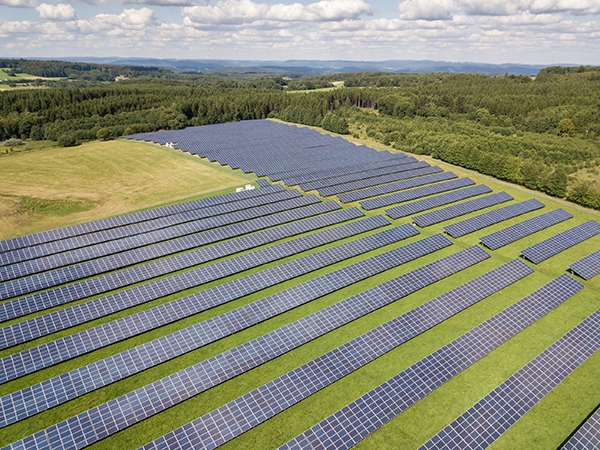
{"type": "Point", "coordinates": [314, 67]}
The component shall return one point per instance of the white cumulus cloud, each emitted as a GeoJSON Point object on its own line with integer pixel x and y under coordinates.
{"type": "Point", "coordinates": [162, 2]}
{"type": "Point", "coordinates": [492, 7]}
{"type": "Point", "coordinates": [426, 9]}
{"type": "Point", "coordinates": [18, 3]}
{"type": "Point", "coordinates": [246, 11]}
{"type": "Point", "coordinates": [129, 19]}
{"type": "Point", "coordinates": [61, 11]}
{"type": "Point", "coordinates": [575, 7]}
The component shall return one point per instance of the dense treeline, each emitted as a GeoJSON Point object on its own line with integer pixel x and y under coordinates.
{"type": "Point", "coordinates": [80, 71]}
{"type": "Point", "coordinates": [129, 108]}
{"type": "Point", "coordinates": [541, 133]}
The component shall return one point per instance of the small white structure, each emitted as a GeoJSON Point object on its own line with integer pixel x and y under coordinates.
{"type": "Point", "coordinates": [248, 187]}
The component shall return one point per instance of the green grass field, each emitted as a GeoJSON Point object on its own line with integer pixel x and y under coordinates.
{"type": "Point", "coordinates": [56, 187]}
{"type": "Point", "coordinates": [544, 427]}
{"type": "Point", "coordinates": [19, 77]}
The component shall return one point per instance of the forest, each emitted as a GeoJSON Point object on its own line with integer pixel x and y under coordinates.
{"type": "Point", "coordinates": [540, 132]}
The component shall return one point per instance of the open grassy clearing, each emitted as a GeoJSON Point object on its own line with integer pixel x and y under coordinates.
{"type": "Point", "coordinates": [23, 76]}
{"type": "Point", "coordinates": [546, 426]}
{"type": "Point", "coordinates": [56, 187]}
{"type": "Point", "coordinates": [336, 85]}
{"type": "Point", "coordinates": [19, 78]}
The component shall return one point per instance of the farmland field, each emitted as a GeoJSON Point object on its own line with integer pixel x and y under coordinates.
{"type": "Point", "coordinates": [56, 187]}
{"type": "Point", "coordinates": [116, 177]}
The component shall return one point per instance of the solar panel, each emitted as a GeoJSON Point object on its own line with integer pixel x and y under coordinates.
{"type": "Point", "coordinates": [522, 229]}
{"type": "Point", "coordinates": [105, 283]}
{"type": "Point", "coordinates": [381, 179]}
{"type": "Point", "coordinates": [487, 219]}
{"type": "Point", "coordinates": [104, 224]}
{"type": "Point", "coordinates": [362, 417]}
{"type": "Point", "coordinates": [308, 175]}
{"type": "Point", "coordinates": [71, 346]}
{"type": "Point", "coordinates": [487, 420]}
{"type": "Point", "coordinates": [397, 186]}
{"type": "Point", "coordinates": [451, 212]}
{"type": "Point", "coordinates": [560, 242]}
{"type": "Point", "coordinates": [587, 436]}
{"type": "Point", "coordinates": [377, 182]}
{"type": "Point", "coordinates": [59, 320]}
{"type": "Point", "coordinates": [37, 398]}
{"type": "Point", "coordinates": [262, 183]}
{"type": "Point", "coordinates": [413, 194]}
{"type": "Point", "coordinates": [438, 200]}
{"type": "Point", "coordinates": [587, 267]}
{"type": "Point", "coordinates": [145, 240]}
{"type": "Point", "coordinates": [96, 267]}
{"type": "Point", "coordinates": [234, 418]}
{"type": "Point", "coordinates": [401, 166]}
{"type": "Point", "coordinates": [109, 418]}
{"type": "Point", "coordinates": [115, 234]}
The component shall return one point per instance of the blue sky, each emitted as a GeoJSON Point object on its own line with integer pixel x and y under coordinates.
{"type": "Point", "coordinates": [494, 31]}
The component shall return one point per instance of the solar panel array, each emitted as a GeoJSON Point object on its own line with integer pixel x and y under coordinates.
{"type": "Point", "coordinates": [269, 148]}
{"type": "Point", "coordinates": [145, 241]}
{"type": "Point", "coordinates": [253, 408]}
{"type": "Point", "coordinates": [438, 200]}
{"type": "Point", "coordinates": [98, 266]}
{"type": "Point", "coordinates": [560, 242]}
{"type": "Point", "coordinates": [263, 183]}
{"type": "Point", "coordinates": [115, 234]}
{"type": "Point", "coordinates": [37, 398]}
{"type": "Point", "coordinates": [144, 257]}
{"type": "Point", "coordinates": [587, 436]}
{"type": "Point", "coordinates": [397, 186]}
{"type": "Point", "coordinates": [400, 166]}
{"type": "Point", "coordinates": [413, 194]}
{"type": "Point", "coordinates": [587, 267]}
{"type": "Point", "coordinates": [360, 418]}
{"type": "Point", "coordinates": [71, 346]}
{"type": "Point", "coordinates": [105, 283]}
{"type": "Point", "coordinates": [451, 212]}
{"type": "Point", "coordinates": [127, 219]}
{"type": "Point", "coordinates": [99, 422]}
{"type": "Point", "coordinates": [65, 318]}
{"type": "Point", "coordinates": [523, 229]}
{"type": "Point", "coordinates": [311, 174]}
{"type": "Point", "coordinates": [380, 180]}
{"type": "Point", "coordinates": [482, 424]}
{"type": "Point", "coordinates": [344, 183]}
{"type": "Point", "coordinates": [487, 219]}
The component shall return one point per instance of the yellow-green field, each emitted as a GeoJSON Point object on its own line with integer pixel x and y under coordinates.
{"type": "Point", "coordinates": [19, 77]}
{"type": "Point", "coordinates": [56, 187]}
{"type": "Point", "coordinates": [135, 176]}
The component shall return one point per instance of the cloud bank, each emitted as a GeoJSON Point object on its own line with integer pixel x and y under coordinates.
{"type": "Point", "coordinates": [528, 31]}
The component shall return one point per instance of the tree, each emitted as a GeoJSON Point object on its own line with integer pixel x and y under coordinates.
{"type": "Point", "coordinates": [67, 140]}
{"type": "Point", "coordinates": [556, 185]}
{"type": "Point", "coordinates": [36, 133]}
{"type": "Point", "coordinates": [103, 134]}
{"type": "Point", "coordinates": [565, 127]}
